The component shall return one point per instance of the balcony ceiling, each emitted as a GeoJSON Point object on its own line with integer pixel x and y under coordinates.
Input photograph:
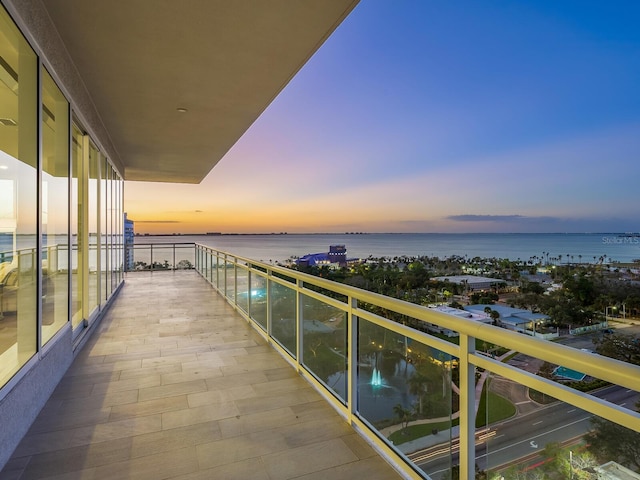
{"type": "Point", "coordinates": [224, 61]}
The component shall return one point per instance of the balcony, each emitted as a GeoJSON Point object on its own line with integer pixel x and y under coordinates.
{"type": "Point", "coordinates": [175, 384]}
{"type": "Point", "coordinates": [284, 375]}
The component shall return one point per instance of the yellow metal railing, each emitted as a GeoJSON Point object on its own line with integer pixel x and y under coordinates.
{"type": "Point", "coordinates": [340, 340]}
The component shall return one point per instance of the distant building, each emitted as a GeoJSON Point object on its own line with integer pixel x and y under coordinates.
{"type": "Point", "coordinates": [516, 319]}
{"type": "Point", "coordinates": [473, 283]}
{"type": "Point", "coordinates": [480, 317]}
{"type": "Point", "coordinates": [615, 471]}
{"type": "Point", "coordinates": [337, 255]}
{"type": "Point", "coordinates": [129, 238]}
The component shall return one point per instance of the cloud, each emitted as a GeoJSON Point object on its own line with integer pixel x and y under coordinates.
{"type": "Point", "coordinates": [498, 218]}
{"type": "Point", "coordinates": [158, 221]}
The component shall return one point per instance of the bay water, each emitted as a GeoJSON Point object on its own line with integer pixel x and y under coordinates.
{"type": "Point", "coordinates": [570, 247]}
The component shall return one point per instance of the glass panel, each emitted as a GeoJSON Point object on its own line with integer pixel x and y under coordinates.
{"type": "Point", "coordinates": [119, 228]}
{"type": "Point", "coordinates": [242, 288]}
{"type": "Point", "coordinates": [18, 199]}
{"type": "Point", "coordinates": [230, 279]}
{"type": "Point", "coordinates": [283, 316]}
{"type": "Point", "coordinates": [185, 257]}
{"type": "Point", "coordinates": [162, 257]}
{"type": "Point", "coordinates": [113, 231]}
{"type": "Point", "coordinates": [55, 208]}
{"type": "Point", "coordinates": [215, 270]}
{"type": "Point", "coordinates": [546, 438]}
{"type": "Point", "coordinates": [324, 343]}
{"type": "Point", "coordinates": [258, 299]}
{"type": "Point", "coordinates": [94, 239]}
{"type": "Point", "coordinates": [204, 263]}
{"type": "Point", "coordinates": [77, 220]}
{"type": "Point", "coordinates": [407, 391]}
{"type": "Point", "coordinates": [104, 231]}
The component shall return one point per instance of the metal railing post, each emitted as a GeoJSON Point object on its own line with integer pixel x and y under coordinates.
{"type": "Point", "coordinates": [352, 360]}
{"type": "Point", "coordinates": [467, 408]}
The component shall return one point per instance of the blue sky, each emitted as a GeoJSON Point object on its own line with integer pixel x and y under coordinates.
{"type": "Point", "coordinates": [433, 116]}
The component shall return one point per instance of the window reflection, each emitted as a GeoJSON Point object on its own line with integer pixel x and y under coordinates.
{"type": "Point", "coordinates": [18, 194]}
{"type": "Point", "coordinates": [55, 206]}
{"type": "Point", "coordinates": [77, 222]}
{"type": "Point", "coordinates": [94, 238]}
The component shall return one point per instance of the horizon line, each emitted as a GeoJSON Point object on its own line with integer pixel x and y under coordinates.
{"type": "Point", "coordinates": [214, 234]}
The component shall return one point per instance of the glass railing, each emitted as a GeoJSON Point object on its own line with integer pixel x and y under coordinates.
{"type": "Point", "coordinates": [160, 256]}
{"type": "Point", "coordinates": [473, 405]}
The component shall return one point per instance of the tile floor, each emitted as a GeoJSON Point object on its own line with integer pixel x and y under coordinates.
{"type": "Point", "coordinates": [176, 385]}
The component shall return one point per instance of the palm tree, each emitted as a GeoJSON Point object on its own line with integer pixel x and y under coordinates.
{"type": "Point", "coordinates": [403, 414]}
{"type": "Point", "coordinates": [418, 385]}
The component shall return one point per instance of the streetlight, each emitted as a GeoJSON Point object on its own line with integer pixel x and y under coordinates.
{"type": "Point", "coordinates": [570, 465]}
{"type": "Point", "coordinates": [606, 312]}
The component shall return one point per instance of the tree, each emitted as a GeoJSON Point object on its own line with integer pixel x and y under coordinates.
{"type": "Point", "coordinates": [184, 265]}
{"type": "Point", "coordinates": [581, 288]}
{"type": "Point", "coordinates": [454, 473]}
{"type": "Point", "coordinates": [403, 414]}
{"type": "Point", "coordinates": [619, 346]}
{"type": "Point", "coordinates": [546, 370]}
{"type": "Point", "coordinates": [611, 441]}
{"type": "Point", "coordinates": [531, 287]}
{"type": "Point", "coordinates": [419, 386]}
{"type": "Point", "coordinates": [530, 301]}
{"type": "Point", "coordinates": [566, 463]}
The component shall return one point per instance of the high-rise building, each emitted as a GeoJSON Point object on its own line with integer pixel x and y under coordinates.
{"type": "Point", "coordinates": [129, 240]}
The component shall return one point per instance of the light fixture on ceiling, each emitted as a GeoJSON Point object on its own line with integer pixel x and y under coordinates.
{"type": "Point", "coordinates": [182, 110]}
{"type": "Point", "coordinates": [8, 122]}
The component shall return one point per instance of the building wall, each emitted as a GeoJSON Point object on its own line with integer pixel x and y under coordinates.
{"type": "Point", "coordinates": [61, 222]}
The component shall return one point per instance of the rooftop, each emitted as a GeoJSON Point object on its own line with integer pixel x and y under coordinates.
{"type": "Point", "coordinates": [176, 385]}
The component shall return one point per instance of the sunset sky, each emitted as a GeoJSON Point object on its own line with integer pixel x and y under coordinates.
{"type": "Point", "coordinates": [434, 116]}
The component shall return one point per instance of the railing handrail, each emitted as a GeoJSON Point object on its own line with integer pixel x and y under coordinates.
{"type": "Point", "coordinates": [604, 368]}
{"type": "Point", "coordinates": [159, 244]}
{"type": "Point", "coordinates": [226, 269]}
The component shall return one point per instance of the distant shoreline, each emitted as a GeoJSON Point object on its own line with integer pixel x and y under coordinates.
{"type": "Point", "coordinates": [220, 234]}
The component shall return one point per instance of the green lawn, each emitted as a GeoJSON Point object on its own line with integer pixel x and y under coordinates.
{"type": "Point", "coordinates": [417, 431]}
{"type": "Point", "coordinates": [499, 409]}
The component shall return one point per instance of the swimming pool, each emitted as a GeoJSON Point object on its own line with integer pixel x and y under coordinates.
{"type": "Point", "coordinates": [568, 374]}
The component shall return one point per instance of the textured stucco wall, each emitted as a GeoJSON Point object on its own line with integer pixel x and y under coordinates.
{"type": "Point", "coordinates": [20, 406]}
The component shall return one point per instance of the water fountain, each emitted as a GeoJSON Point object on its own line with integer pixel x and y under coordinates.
{"type": "Point", "coordinates": [376, 378]}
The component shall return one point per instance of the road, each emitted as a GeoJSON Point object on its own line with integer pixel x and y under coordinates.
{"type": "Point", "coordinates": [519, 438]}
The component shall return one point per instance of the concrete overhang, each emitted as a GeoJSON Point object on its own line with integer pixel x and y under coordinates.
{"type": "Point", "coordinates": [224, 61]}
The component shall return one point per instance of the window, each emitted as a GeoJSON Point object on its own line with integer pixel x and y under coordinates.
{"type": "Point", "coordinates": [18, 198]}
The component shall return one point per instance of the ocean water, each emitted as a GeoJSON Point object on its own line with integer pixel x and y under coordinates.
{"type": "Point", "coordinates": [278, 248]}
